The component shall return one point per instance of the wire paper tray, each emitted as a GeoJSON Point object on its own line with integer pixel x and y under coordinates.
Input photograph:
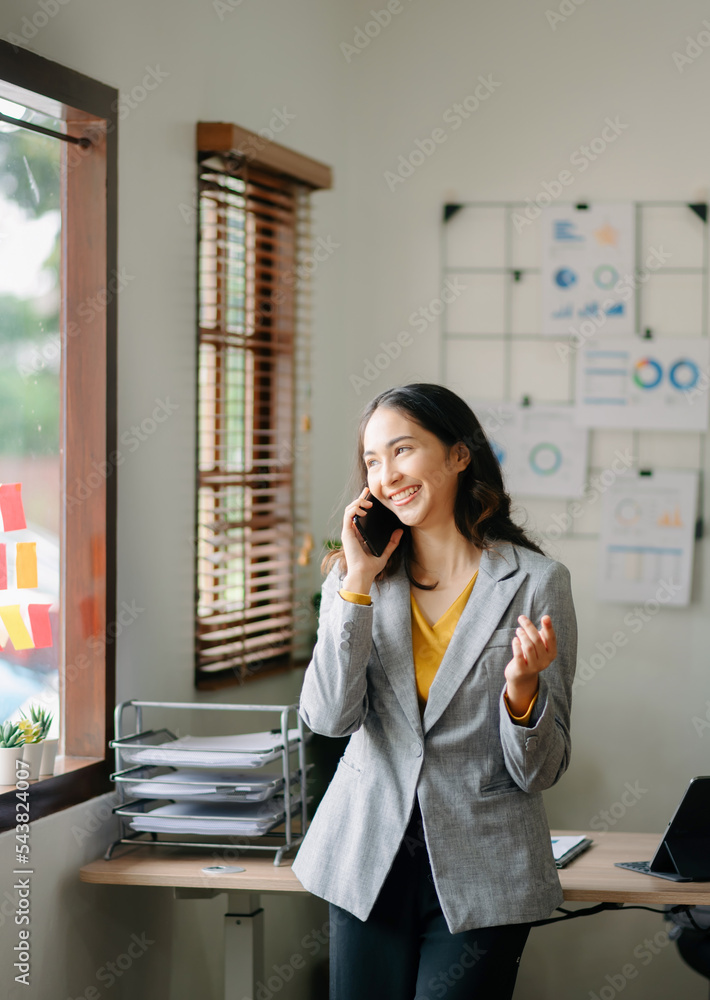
{"type": "Point", "coordinates": [202, 786]}
{"type": "Point", "coordinates": [237, 751]}
{"type": "Point", "coordinates": [219, 819]}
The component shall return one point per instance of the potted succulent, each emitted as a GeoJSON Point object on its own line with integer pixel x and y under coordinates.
{"type": "Point", "coordinates": [11, 750]}
{"type": "Point", "coordinates": [33, 730]}
{"type": "Point", "coordinates": [49, 747]}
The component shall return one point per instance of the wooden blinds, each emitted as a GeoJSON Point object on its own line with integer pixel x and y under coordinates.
{"type": "Point", "coordinates": [245, 532]}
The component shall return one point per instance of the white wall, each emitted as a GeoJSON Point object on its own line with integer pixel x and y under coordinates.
{"type": "Point", "coordinates": [633, 721]}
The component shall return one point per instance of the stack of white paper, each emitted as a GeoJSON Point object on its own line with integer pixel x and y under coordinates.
{"type": "Point", "coordinates": [223, 819]}
{"type": "Point", "coordinates": [244, 750]}
{"type": "Point", "coordinates": [209, 786]}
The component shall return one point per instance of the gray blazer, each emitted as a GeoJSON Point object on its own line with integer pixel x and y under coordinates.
{"type": "Point", "coordinates": [477, 775]}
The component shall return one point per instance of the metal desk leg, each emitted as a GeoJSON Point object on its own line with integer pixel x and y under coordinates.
{"type": "Point", "coordinates": [243, 940]}
{"type": "Point", "coordinates": [243, 946]}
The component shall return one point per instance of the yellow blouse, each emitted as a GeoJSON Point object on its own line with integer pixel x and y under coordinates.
{"type": "Point", "coordinates": [429, 643]}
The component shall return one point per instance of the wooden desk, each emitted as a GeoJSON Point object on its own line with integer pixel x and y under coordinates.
{"type": "Point", "coordinates": [591, 877]}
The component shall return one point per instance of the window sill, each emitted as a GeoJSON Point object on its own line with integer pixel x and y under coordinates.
{"type": "Point", "coordinates": [76, 780]}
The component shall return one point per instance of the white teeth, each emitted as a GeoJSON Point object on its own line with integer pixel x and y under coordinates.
{"type": "Point", "coordinates": [405, 493]}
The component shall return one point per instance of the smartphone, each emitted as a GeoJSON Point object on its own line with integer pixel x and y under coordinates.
{"type": "Point", "coordinates": [377, 525]}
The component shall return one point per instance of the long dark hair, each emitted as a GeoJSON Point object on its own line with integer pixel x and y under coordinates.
{"type": "Point", "coordinates": [482, 505]}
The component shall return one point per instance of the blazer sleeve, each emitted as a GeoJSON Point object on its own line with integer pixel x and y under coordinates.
{"type": "Point", "coordinates": [537, 754]}
{"type": "Point", "coordinates": [333, 699]}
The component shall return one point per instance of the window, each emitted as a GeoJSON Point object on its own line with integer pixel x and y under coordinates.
{"type": "Point", "coordinates": [57, 413]}
{"type": "Point", "coordinates": [252, 541]}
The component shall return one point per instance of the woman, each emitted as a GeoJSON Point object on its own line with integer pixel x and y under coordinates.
{"type": "Point", "coordinates": [440, 658]}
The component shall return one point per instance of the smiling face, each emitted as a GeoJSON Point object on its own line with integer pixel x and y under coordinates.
{"type": "Point", "coordinates": [408, 469]}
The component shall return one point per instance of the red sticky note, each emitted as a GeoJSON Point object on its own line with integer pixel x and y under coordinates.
{"type": "Point", "coordinates": [40, 625]}
{"type": "Point", "coordinates": [13, 514]}
{"type": "Point", "coordinates": [3, 566]}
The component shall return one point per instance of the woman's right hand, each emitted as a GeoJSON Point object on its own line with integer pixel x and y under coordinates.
{"type": "Point", "coordinates": [363, 566]}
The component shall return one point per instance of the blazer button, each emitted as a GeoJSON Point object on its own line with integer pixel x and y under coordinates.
{"type": "Point", "coordinates": [345, 645]}
{"type": "Point", "coordinates": [348, 626]}
{"type": "Point", "coordinates": [416, 749]}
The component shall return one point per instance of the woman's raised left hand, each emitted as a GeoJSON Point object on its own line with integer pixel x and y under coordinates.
{"type": "Point", "coordinates": [533, 651]}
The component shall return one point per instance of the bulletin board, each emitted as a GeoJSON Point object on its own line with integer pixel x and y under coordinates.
{"type": "Point", "coordinates": [492, 345]}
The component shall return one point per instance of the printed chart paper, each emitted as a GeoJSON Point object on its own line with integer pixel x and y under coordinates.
{"type": "Point", "coordinates": [649, 384]}
{"type": "Point", "coordinates": [540, 450]}
{"type": "Point", "coordinates": [648, 528]}
{"type": "Point", "coordinates": [588, 269]}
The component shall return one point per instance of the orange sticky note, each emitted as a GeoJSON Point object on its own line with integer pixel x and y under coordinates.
{"type": "Point", "coordinates": [17, 630]}
{"type": "Point", "coordinates": [26, 564]}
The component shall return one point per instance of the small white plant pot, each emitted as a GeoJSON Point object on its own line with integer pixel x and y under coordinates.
{"type": "Point", "coordinates": [49, 752]}
{"type": "Point", "coordinates": [8, 768]}
{"type": "Point", "coordinates": [32, 756]}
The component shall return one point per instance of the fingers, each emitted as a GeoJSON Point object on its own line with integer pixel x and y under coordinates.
{"type": "Point", "coordinates": [359, 506]}
{"type": "Point", "coordinates": [548, 635]}
{"type": "Point", "coordinates": [518, 654]}
{"type": "Point", "coordinates": [393, 543]}
{"type": "Point", "coordinates": [539, 647]}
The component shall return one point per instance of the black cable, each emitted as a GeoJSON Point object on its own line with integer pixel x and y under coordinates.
{"type": "Point", "coordinates": [691, 918]}
{"type": "Point", "coordinates": [569, 914]}
{"type": "Point", "coordinates": [591, 910]}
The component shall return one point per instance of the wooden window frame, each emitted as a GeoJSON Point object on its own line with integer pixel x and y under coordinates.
{"type": "Point", "coordinates": [260, 165]}
{"type": "Point", "coordinates": [89, 191]}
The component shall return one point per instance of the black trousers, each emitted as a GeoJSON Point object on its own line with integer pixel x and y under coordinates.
{"type": "Point", "coordinates": [405, 951]}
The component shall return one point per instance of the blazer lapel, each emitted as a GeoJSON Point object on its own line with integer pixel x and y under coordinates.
{"type": "Point", "coordinates": [392, 636]}
{"type": "Point", "coordinates": [499, 577]}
